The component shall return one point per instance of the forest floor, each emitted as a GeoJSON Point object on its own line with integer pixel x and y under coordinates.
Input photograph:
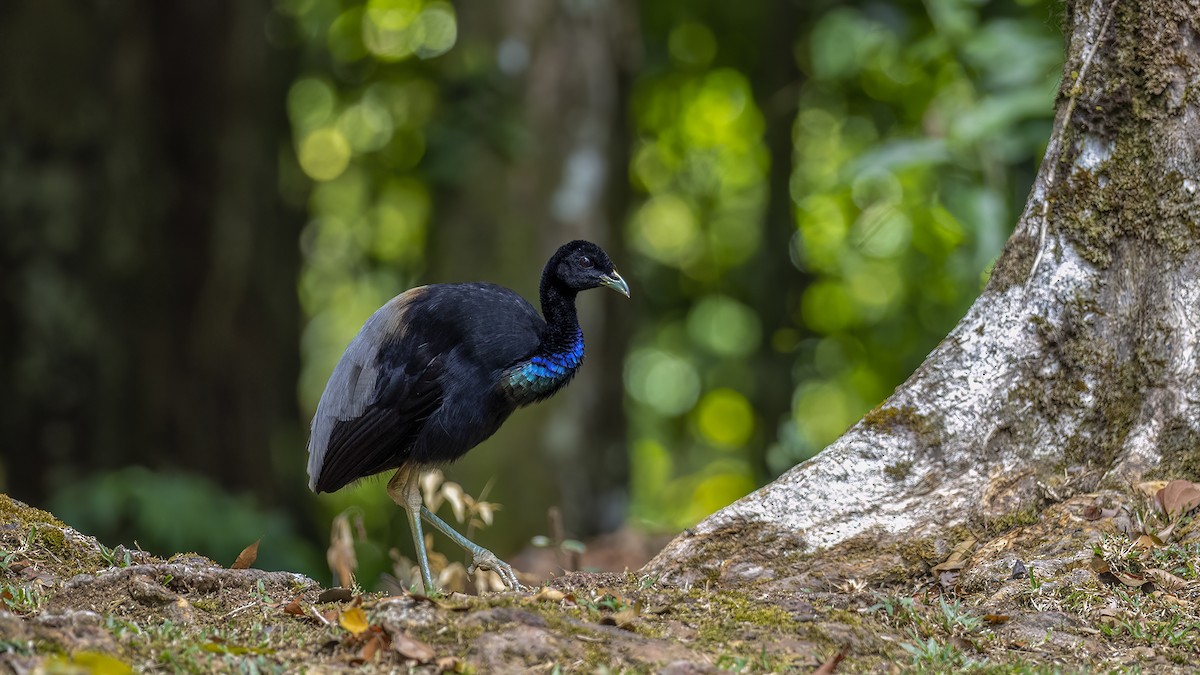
{"type": "Point", "coordinates": [1080, 586]}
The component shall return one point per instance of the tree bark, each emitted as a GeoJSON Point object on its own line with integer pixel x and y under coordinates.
{"type": "Point", "coordinates": [1079, 365]}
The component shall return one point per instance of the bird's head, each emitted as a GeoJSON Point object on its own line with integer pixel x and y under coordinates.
{"type": "Point", "coordinates": [580, 265]}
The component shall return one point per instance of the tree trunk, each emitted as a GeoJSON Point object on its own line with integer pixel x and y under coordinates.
{"type": "Point", "coordinates": [565, 179]}
{"type": "Point", "coordinates": [1076, 368]}
{"type": "Point", "coordinates": [150, 316]}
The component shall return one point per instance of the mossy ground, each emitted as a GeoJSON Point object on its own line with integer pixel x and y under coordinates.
{"type": "Point", "coordinates": [70, 605]}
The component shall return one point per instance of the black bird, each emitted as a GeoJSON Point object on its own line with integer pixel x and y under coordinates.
{"type": "Point", "coordinates": [437, 370]}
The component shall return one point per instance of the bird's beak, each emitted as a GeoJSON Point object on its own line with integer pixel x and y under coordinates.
{"type": "Point", "coordinates": [615, 282]}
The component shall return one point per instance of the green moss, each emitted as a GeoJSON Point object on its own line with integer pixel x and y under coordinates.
{"type": "Point", "coordinates": [1018, 518]}
{"type": "Point", "coordinates": [1013, 266]}
{"type": "Point", "coordinates": [13, 511]}
{"type": "Point", "coordinates": [889, 419]}
{"type": "Point", "coordinates": [919, 551]}
{"type": "Point", "coordinates": [899, 470]}
{"type": "Point", "coordinates": [53, 540]}
{"type": "Point", "coordinates": [1179, 447]}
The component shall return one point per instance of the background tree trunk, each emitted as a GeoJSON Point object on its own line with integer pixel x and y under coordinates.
{"type": "Point", "coordinates": [149, 312]}
{"type": "Point", "coordinates": [1076, 368]}
{"type": "Point", "coordinates": [559, 174]}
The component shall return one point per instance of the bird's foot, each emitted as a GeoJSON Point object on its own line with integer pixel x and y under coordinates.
{"type": "Point", "coordinates": [486, 560]}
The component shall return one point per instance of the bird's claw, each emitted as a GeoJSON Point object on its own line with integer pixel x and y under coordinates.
{"type": "Point", "coordinates": [486, 560]}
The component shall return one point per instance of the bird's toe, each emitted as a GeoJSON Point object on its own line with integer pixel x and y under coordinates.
{"type": "Point", "coordinates": [486, 560]}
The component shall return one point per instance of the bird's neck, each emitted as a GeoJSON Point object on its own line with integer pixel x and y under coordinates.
{"type": "Point", "coordinates": [554, 362]}
{"type": "Point", "coordinates": [563, 334]}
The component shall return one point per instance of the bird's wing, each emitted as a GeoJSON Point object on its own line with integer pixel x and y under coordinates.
{"type": "Point", "coordinates": [381, 391]}
{"type": "Point", "coordinates": [390, 379]}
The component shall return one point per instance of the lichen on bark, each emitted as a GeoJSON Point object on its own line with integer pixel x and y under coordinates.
{"type": "Point", "coordinates": [1078, 366]}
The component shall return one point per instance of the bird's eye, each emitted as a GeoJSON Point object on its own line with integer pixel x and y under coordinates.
{"type": "Point", "coordinates": [585, 262]}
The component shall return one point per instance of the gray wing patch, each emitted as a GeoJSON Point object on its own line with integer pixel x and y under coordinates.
{"type": "Point", "coordinates": [351, 387]}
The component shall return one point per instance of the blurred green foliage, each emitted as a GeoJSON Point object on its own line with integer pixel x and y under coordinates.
{"type": "Point", "coordinates": [168, 513]}
{"type": "Point", "coordinates": [916, 129]}
{"type": "Point", "coordinates": [916, 133]}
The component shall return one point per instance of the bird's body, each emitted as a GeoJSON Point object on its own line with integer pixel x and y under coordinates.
{"type": "Point", "coordinates": [439, 368]}
{"type": "Point", "coordinates": [433, 373]}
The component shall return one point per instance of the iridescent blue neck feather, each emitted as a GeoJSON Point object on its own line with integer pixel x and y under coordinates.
{"type": "Point", "coordinates": [544, 373]}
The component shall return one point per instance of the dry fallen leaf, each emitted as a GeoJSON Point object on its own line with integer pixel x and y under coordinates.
{"type": "Point", "coordinates": [457, 497]}
{"type": "Point", "coordinates": [340, 555]}
{"type": "Point", "coordinates": [996, 619]}
{"type": "Point", "coordinates": [372, 647]}
{"type": "Point", "coordinates": [293, 608]}
{"type": "Point", "coordinates": [354, 620]}
{"type": "Point", "coordinates": [335, 595]}
{"type": "Point", "coordinates": [1111, 577]}
{"type": "Point", "coordinates": [1147, 542]}
{"type": "Point", "coordinates": [412, 648]}
{"type": "Point", "coordinates": [1179, 498]}
{"type": "Point", "coordinates": [1165, 580]}
{"type": "Point", "coordinates": [622, 619]}
{"type": "Point", "coordinates": [549, 595]}
{"type": "Point", "coordinates": [957, 559]}
{"type": "Point", "coordinates": [831, 665]}
{"type": "Point", "coordinates": [1151, 487]}
{"type": "Point", "coordinates": [1109, 615]}
{"type": "Point", "coordinates": [247, 557]}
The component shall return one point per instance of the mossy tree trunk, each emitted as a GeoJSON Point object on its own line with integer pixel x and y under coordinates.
{"type": "Point", "coordinates": [1078, 366]}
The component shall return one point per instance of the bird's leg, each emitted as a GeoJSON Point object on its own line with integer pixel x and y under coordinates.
{"type": "Point", "coordinates": [404, 489]}
{"type": "Point", "coordinates": [481, 558]}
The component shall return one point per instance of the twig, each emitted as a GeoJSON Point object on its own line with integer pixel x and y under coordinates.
{"type": "Point", "coordinates": [317, 614]}
{"type": "Point", "coordinates": [1076, 89]}
{"type": "Point", "coordinates": [238, 610]}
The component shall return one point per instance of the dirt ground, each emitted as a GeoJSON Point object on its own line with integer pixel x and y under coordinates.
{"type": "Point", "coordinates": [1100, 582]}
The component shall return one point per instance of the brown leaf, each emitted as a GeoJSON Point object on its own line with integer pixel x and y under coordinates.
{"type": "Point", "coordinates": [412, 648]}
{"type": "Point", "coordinates": [1165, 580]}
{"type": "Point", "coordinates": [247, 557]}
{"type": "Point", "coordinates": [957, 559]}
{"type": "Point", "coordinates": [1147, 542]}
{"type": "Point", "coordinates": [372, 647]}
{"type": "Point", "coordinates": [1098, 565]}
{"type": "Point", "coordinates": [1151, 488]}
{"type": "Point", "coordinates": [548, 594]}
{"type": "Point", "coordinates": [354, 620]}
{"type": "Point", "coordinates": [335, 595]}
{"type": "Point", "coordinates": [1109, 615]}
{"type": "Point", "coordinates": [293, 608]}
{"type": "Point", "coordinates": [831, 665]}
{"type": "Point", "coordinates": [996, 619]}
{"type": "Point", "coordinates": [1179, 498]}
{"type": "Point", "coordinates": [622, 619]}
{"type": "Point", "coordinates": [1170, 599]}
{"type": "Point", "coordinates": [1112, 577]}
{"type": "Point", "coordinates": [340, 556]}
